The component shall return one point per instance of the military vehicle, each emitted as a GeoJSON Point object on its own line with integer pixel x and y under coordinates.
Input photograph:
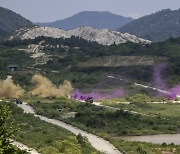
{"type": "Point", "coordinates": [17, 101]}
{"type": "Point", "coordinates": [89, 100]}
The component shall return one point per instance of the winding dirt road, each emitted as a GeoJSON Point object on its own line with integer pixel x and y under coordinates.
{"type": "Point", "coordinates": [24, 147]}
{"type": "Point", "coordinates": [98, 143]}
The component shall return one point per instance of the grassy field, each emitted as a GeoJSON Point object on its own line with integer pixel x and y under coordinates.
{"type": "Point", "coordinates": [168, 110]}
{"type": "Point", "coordinates": [144, 148]}
{"type": "Point", "coordinates": [111, 124]}
{"type": "Point", "coordinates": [44, 137]}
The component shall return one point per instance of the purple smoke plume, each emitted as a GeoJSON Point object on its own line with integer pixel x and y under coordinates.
{"type": "Point", "coordinates": [160, 84]}
{"type": "Point", "coordinates": [173, 92]}
{"type": "Point", "coordinates": [157, 75]}
{"type": "Point", "coordinates": [97, 96]}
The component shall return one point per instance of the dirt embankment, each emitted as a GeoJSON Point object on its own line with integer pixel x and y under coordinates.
{"type": "Point", "coordinates": [116, 61]}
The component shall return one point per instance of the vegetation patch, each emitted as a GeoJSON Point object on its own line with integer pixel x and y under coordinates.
{"type": "Point", "coordinates": [111, 125]}
{"type": "Point", "coordinates": [46, 138]}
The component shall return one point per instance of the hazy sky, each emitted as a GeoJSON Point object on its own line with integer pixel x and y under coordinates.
{"type": "Point", "coordinates": [51, 10]}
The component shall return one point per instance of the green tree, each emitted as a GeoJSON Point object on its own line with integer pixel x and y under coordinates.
{"type": "Point", "coordinates": [49, 150]}
{"type": "Point", "coordinates": [70, 146]}
{"type": "Point", "coordinates": [6, 132]}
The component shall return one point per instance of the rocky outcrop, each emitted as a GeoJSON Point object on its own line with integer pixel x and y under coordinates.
{"type": "Point", "coordinates": [103, 36]}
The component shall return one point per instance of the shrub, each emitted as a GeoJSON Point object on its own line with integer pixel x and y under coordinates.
{"type": "Point", "coordinates": [49, 150]}
{"type": "Point", "coordinates": [139, 98]}
{"type": "Point", "coordinates": [141, 150]}
{"type": "Point", "coordinates": [164, 144]}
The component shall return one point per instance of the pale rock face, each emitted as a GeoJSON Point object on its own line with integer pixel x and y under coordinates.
{"type": "Point", "coordinates": [103, 36]}
{"type": "Point", "coordinates": [44, 31]}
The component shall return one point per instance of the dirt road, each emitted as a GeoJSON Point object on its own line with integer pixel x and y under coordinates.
{"type": "Point", "coordinates": [24, 147]}
{"type": "Point", "coordinates": [98, 143]}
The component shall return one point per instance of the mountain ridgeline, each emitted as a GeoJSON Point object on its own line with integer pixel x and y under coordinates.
{"type": "Point", "coordinates": [11, 21]}
{"type": "Point", "coordinates": [155, 27]}
{"type": "Point", "coordinates": [95, 19]}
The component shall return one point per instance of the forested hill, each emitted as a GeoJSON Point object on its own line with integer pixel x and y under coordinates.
{"type": "Point", "coordinates": [89, 59]}
{"type": "Point", "coordinates": [95, 19]}
{"type": "Point", "coordinates": [11, 21]}
{"type": "Point", "coordinates": [155, 27]}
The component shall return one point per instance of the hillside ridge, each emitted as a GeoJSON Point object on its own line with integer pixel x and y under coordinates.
{"type": "Point", "coordinates": [11, 21]}
{"type": "Point", "coordinates": [158, 26]}
{"type": "Point", "coordinates": [95, 19]}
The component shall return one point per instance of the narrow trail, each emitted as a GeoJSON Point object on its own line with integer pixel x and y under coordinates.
{"type": "Point", "coordinates": [24, 147]}
{"type": "Point", "coordinates": [144, 86]}
{"type": "Point", "coordinates": [98, 143]}
{"type": "Point", "coordinates": [116, 109]}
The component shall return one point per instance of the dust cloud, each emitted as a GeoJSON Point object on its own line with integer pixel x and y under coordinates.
{"type": "Point", "coordinates": [45, 88]}
{"type": "Point", "coordinates": [9, 90]}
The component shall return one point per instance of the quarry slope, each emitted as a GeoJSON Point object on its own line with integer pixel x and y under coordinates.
{"type": "Point", "coordinates": [103, 36]}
